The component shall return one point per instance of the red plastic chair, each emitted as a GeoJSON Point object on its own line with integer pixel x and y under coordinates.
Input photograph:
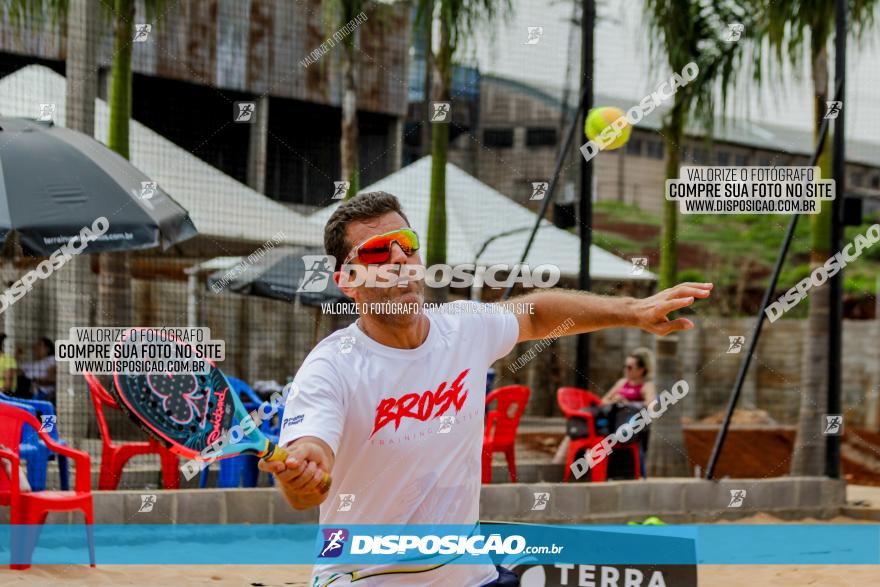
{"type": "Point", "coordinates": [114, 456]}
{"type": "Point", "coordinates": [29, 509]}
{"type": "Point", "coordinates": [571, 401]}
{"type": "Point", "coordinates": [499, 435]}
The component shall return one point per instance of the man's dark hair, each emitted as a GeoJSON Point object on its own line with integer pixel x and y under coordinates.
{"type": "Point", "coordinates": [47, 342]}
{"type": "Point", "coordinates": [361, 207]}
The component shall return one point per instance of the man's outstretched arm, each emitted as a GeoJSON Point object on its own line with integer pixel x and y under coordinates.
{"type": "Point", "coordinates": [585, 312]}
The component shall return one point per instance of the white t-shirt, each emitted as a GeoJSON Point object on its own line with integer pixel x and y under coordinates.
{"type": "Point", "coordinates": [385, 413]}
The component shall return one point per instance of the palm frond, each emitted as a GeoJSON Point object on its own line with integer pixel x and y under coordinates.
{"type": "Point", "coordinates": [686, 31]}
{"type": "Point", "coordinates": [22, 12]}
{"type": "Point", "coordinates": [336, 13]}
{"type": "Point", "coordinates": [464, 16]}
{"type": "Point", "coordinates": [155, 11]}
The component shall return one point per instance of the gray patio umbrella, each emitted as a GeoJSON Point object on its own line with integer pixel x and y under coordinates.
{"type": "Point", "coordinates": [277, 275]}
{"type": "Point", "coordinates": [54, 181]}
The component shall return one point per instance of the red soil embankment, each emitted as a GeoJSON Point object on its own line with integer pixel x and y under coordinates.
{"type": "Point", "coordinates": [755, 453]}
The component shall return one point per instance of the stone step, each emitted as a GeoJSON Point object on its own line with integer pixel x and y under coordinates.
{"type": "Point", "coordinates": [683, 500]}
{"type": "Point", "coordinates": [140, 475]}
{"type": "Point", "coordinates": [861, 513]}
{"type": "Point", "coordinates": [148, 475]}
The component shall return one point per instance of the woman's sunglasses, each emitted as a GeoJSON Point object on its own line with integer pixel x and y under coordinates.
{"type": "Point", "coordinates": [377, 249]}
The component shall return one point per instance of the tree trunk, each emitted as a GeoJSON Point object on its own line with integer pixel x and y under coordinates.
{"type": "Point", "coordinates": [742, 284]}
{"type": "Point", "coordinates": [429, 69]}
{"type": "Point", "coordinates": [673, 133]}
{"type": "Point", "coordinates": [73, 287]}
{"type": "Point", "coordinates": [439, 154]}
{"type": "Point", "coordinates": [808, 457]}
{"type": "Point", "coordinates": [81, 69]}
{"type": "Point", "coordinates": [348, 144]}
{"type": "Point", "coordinates": [258, 135]}
{"type": "Point", "coordinates": [667, 453]}
{"type": "Point", "coordinates": [114, 290]}
{"type": "Point", "coordinates": [120, 89]}
{"type": "Point", "coordinates": [114, 276]}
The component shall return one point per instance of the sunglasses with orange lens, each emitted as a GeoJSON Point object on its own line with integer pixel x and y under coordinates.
{"type": "Point", "coordinates": [377, 249]}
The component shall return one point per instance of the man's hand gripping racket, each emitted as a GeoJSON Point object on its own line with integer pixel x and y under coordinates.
{"type": "Point", "coordinates": [305, 470]}
{"type": "Point", "coordinates": [201, 417]}
{"type": "Point", "coordinates": [300, 467]}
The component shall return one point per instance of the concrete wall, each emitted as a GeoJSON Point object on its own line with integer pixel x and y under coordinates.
{"type": "Point", "coordinates": [673, 500]}
{"type": "Point", "coordinates": [268, 339]}
{"type": "Point", "coordinates": [773, 382]}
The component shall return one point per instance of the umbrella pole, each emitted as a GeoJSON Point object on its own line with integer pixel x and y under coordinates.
{"type": "Point", "coordinates": [192, 301]}
{"type": "Point", "coordinates": [8, 276]}
{"type": "Point", "coordinates": [18, 317]}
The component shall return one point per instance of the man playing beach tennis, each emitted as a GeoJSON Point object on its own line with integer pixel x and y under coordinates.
{"type": "Point", "coordinates": [369, 399]}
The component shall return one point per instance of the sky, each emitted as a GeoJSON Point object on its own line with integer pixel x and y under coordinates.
{"type": "Point", "coordinates": [623, 68]}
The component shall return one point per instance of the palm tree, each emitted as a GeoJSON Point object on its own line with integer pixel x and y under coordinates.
{"type": "Point", "coordinates": [788, 28]}
{"type": "Point", "coordinates": [122, 13]}
{"type": "Point", "coordinates": [425, 19]}
{"type": "Point", "coordinates": [114, 269]}
{"type": "Point", "coordinates": [120, 83]}
{"type": "Point", "coordinates": [336, 14]}
{"type": "Point", "coordinates": [681, 32]}
{"type": "Point", "coordinates": [458, 20]}
{"type": "Point", "coordinates": [114, 279]}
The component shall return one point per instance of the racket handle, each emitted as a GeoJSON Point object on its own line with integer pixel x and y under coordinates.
{"type": "Point", "coordinates": [276, 453]}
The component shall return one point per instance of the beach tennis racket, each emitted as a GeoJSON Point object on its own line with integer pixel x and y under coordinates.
{"type": "Point", "coordinates": [197, 416]}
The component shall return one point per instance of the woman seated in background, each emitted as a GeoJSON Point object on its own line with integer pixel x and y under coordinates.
{"type": "Point", "coordinates": [41, 371]}
{"type": "Point", "coordinates": [8, 369]}
{"type": "Point", "coordinates": [635, 386]}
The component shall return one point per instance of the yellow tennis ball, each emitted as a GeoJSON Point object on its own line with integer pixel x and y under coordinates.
{"type": "Point", "coordinates": [599, 129]}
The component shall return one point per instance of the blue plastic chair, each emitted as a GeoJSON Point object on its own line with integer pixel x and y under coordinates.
{"type": "Point", "coordinates": [34, 450]}
{"type": "Point", "coordinates": [251, 399]}
{"type": "Point", "coordinates": [240, 470]}
{"type": "Point", "coordinates": [31, 450]}
{"type": "Point", "coordinates": [250, 473]}
{"type": "Point", "coordinates": [40, 408]}
{"type": "Point", "coordinates": [41, 395]}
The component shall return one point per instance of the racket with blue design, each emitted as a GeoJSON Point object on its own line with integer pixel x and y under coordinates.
{"type": "Point", "coordinates": [198, 416]}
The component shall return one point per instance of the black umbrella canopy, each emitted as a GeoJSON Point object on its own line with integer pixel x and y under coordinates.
{"type": "Point", "coordinates": [55, 181]}
{"type": "Point", "coordinates": [278, 275]}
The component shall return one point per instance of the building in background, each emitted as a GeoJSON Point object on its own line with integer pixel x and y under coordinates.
{"type": "Point", "coordinates": [201, 58]}
{"type": "Point", "coordinates": [520, 127]}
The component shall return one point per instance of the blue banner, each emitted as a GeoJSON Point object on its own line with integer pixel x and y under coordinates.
{"type": "Point", "coordinates": [501, 543]}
